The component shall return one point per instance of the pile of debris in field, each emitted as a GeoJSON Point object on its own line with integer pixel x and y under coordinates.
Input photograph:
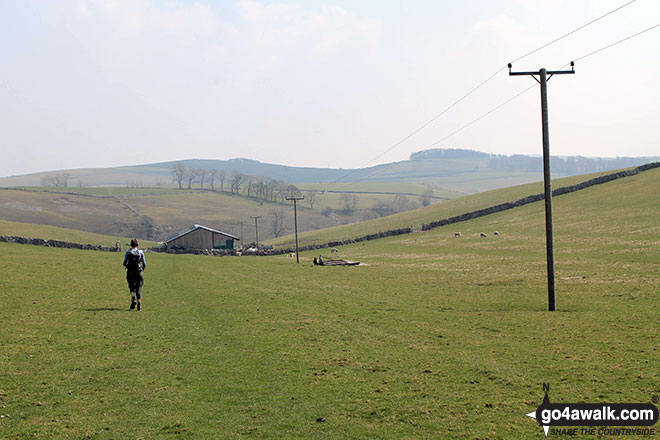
{"type": "Point", "coordinates": [321, 262]}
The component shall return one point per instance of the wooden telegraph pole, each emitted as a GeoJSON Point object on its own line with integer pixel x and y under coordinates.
{"type": "Point", "coordinates": [544, 76]}
{"type": "Point", "coordinates": [256, 228]}
{"type": "Point", "coordinates": [295, 221]}
{"type": "Point", "coordinates": [241, 233]}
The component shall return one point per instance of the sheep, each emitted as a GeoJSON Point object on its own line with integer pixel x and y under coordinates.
{"type": "Point", "coordinates": [457, 234]}
{"type": "Point", "coordinates": [482, 235]}
{"type": "Point", "coordinates": [496, 233]}
{"type": "Point", "coordinates": [333, 250]}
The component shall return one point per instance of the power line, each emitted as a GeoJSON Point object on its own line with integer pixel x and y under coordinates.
{"type": "Point", "coordinates": [475, 120]}
{"type": "Point", "coordinates": [385, 168]}
{"type": "Point", "coordinates": [573, 31]}
{"type": "Point", "coordinates": [423, 126]}
{"type": "Point", "coordinates": [617, 42]}
{"type": "Point", "coordinates": [478, 87]}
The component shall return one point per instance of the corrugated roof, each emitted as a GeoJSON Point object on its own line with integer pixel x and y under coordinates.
{"type": "Point", "coordinates": [195, 227]}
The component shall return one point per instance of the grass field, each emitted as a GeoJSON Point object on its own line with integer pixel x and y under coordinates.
{"type": "Point", "coordinates": [437, 211]}
{"type": "Point", "coordinates": [434, 338]}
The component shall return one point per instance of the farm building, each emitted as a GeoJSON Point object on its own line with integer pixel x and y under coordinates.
{"type": "Point", "coordinates": [201, 237]}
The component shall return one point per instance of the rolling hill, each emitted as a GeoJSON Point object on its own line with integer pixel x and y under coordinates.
{"type": "Point", "coordinates": [454, 170]}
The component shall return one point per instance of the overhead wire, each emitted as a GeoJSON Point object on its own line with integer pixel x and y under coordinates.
{"type": "Point", "coordinates": [481, 84]}
{"type": "Point", "coordinates": [617, 42]}
{"type": "Point", "coordinates": [497, 107]}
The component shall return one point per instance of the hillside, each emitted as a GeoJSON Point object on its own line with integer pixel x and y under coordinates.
{"type": "Point", "coordinates": [451, 170]}
{"type": "Point", "coordinates": [433, 337]}
{"type": "Point", "coordinates": [415, 218]}
{"type": "Point", "coordinates": [155, 214]}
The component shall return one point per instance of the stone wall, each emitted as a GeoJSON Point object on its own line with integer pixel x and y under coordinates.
{"type": "Point", "coordinates": [57, 243]}
{"type": "Point", "coordinates": [539, 197]}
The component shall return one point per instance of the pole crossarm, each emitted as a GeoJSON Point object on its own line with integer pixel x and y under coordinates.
{"type": "Point", "coordinates": [550, 73]}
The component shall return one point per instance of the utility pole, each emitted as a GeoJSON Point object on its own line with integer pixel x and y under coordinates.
{"type": "Point", "coordinates": [241, 233]}
{"type": "Point", "coordinates": [543, 81]}
{"type": "Point", "coordinates": [295, 221]}
{"type": "Point", "coordinates": [256, 228]}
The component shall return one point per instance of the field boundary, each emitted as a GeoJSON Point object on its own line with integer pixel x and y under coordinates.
{"type": "Point", "coordinates": [538, 197]}
{"type": "Point", "coordinates": [56, 243]}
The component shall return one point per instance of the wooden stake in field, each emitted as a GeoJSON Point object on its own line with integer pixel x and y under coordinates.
{"type": "Point", "coordinates": [543, 81]}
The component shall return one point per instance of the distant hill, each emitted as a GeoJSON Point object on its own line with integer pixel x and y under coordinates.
{"type": "Point", "coordinates": [569, 165]}
{"type": "Point", "coordinates": [457, 170]}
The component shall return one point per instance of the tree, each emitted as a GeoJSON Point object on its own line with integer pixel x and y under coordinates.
{"type": "Point", "coordinates": [48, 180]}
{"type": "Point", "coordinates": [191, 175]}
{"type": "Point", "coordinates": [222, 176]}
{"type": "Point", "coordinates": [402, 203]}
{"type": "Point", "coordinates": [277, 224]}
{"type": "Point", "coordinates": [349, 201]}
{"type": "Point", "coordinates": [236, 181]}
{"type": "Point", "coordinates": [382, 209]}
{"type": "Point", "coordinates": [425, 198]}
{"type": "Point", "coordinates": [271, 186]}
{"type": "Point", "coordinates": [212, 174]}
{"type": "Point", "coordinates": [293, 191]}
{"type": "Point", "coordinates": [201, 175]}
{"type": "Point", "coordinates": [178, 173]}
{"type": "Point", "coordinates": [312, 196]}
{"type": "Point", "coordinates": [250, 180]}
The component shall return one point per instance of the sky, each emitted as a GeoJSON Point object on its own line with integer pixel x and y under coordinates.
{"type": "Point", "coordinates": [334, 83]}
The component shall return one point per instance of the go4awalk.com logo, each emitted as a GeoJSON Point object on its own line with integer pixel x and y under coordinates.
{"type": "Point", "coordinates": [603, 419]}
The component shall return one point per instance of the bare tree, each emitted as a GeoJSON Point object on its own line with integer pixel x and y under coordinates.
{"type": "Point", "coordinates": [222, 176]}
{"type": "Point", "coordinates": [191, 175]}
{"type": "Point", "coordinates": [201, 175]}
{"type": "Point", "coordinates": [425, 198]}
{"type": "Point", "coordinates": [236, 181]}
{"type": "Point", "coordinates": [292, 191]}
{"type": "Point", "coordinates": [277, 224]}
{"type": "Point", "coordinates": [212, 174]}
{"type": "Point", "coordinates": [179, 173]}
{"type": "Point", "coordinates": [48, 180]}
{"type": "Point", "coordinates": [62, 179]}
{"type": "Point", "coordinates": [312, 197]}
{"type": "Point", "coordinates": [271, 186]}
{"type": "Point", "coordinates": [402, 203]}
{"type": "Point", "coordinates": [250, 180]}
{"type": "Point", "coordinates": [349, 201]}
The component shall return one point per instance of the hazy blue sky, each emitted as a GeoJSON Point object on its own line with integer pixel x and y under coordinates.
{"type": "Point", "coordinates": [91, 83]}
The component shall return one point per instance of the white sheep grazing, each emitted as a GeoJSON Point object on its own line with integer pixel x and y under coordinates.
{"type": "Point", "coordinates": [482, 235]}
{"type": "Point", "coordinates": [496, 233]}
{"type": "Point", "coordinates": [333, 250]}
{"type": "Point", "coordinates": [457, 234]}
{"type": "Point", "coordinates": [291, 255]}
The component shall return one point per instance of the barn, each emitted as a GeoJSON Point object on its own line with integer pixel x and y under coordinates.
{"type": "Point", "coordinates": [201, 237]}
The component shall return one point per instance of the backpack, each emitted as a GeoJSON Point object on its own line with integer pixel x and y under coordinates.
{"type": "Point", "coordinates": [134, 261]}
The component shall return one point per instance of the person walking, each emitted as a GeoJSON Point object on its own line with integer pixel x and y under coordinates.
{"type": "Point", "coordinates": [135, 263]}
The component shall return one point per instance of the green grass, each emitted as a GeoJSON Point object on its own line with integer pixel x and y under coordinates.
{"type": "Point", "coordinates": [30, 230]}
{"type": "Point", "coordinates": [434, 338]}
{"type": "Point", "coordinates": [417, 217]}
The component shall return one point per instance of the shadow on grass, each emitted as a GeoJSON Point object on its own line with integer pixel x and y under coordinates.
{"type": "Point", "coordinates": [107, 309]}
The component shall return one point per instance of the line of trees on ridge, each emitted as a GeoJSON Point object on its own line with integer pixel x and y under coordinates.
{"type": "Point", "coordinates": [260, 187]}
